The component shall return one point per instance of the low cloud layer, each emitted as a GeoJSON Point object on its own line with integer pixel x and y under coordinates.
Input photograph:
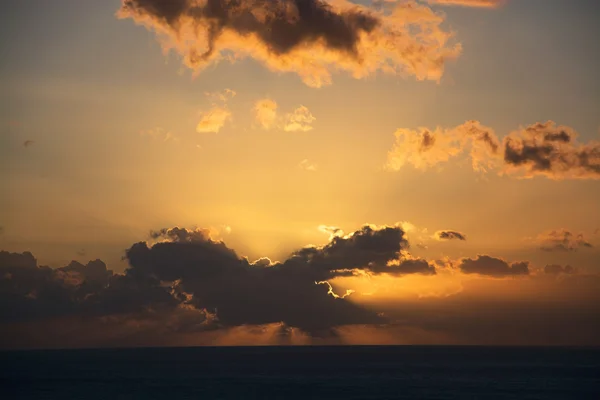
{"type": "Point", "coordinates": [184, 287]}
{"type": "Point", "coordinates": [188, 273]}
{"type": "Point", "coordinates": [542, 149]}
{"type": "Point", "coordinates": [311, 38]}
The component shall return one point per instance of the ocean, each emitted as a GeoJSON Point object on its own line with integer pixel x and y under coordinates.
{"type": "Point", "coordinates": [336, 372]}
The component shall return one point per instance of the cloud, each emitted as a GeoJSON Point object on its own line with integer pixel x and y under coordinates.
{"type": "Point", "coordinates": [449, 235]}
{"type": "Point", "coordinates": [189, 269]}
{"type": "Point", "coordinates": [541, 149]}
{"type": "Point", "coordinates": [159, 133]}
{"type": "Point", "coordinates": [222, 96]}
{"type": "Point", "coordinates": [493, 267]}
{"type": "Point", "coordinates": [311, 38]}
{"type": "Point", "coordinates": [545, 149]}
{"type": "Point", "coordinates": [332, 231]}
{"type": "Point", "coordinates": [300, 120]}
{"type": "Point", "coordinates": [554, 269]}
{"type": "Point", "coordinates": [562, 240]}
{"type": "Point", "coordinates": [405, 267]}
{"type": "Point", "coordinates": [28, 143]}
{"type": "Point", "coordinates": [424, 148]}
{"type": "Point", "coordinates": [470, 3]}
{"type": "Point", "coordinates": [307, 165]}
{"type": "Point", "coordinates": [188, 289]}
{"type": "Point", "coordinates": [265, 113]}
{"type": "Point", "coordinates": [213, 120]}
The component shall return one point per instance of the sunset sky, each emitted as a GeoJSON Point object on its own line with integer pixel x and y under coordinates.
{"type": "Point", "coordinates": [439, 160]}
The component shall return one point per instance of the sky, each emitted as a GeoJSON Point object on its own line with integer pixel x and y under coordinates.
{"type": "Point", "coordinates": [299, 172]}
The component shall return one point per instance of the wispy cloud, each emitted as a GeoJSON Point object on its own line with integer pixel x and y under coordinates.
{"type": "Point", "coordinates": [213, 120]}
{"type": "Point", "coordinates": [307, 165]}
{"type": "Point", "coordinates": [266, 113]}
{"type": "Point", "coordinates": [300, 120]}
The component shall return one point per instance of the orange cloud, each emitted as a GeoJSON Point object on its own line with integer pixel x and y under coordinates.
{"type": "Point", "coordinates": [266, 113]}
{"type": "Point", "coordinates": [213, 120]}
{"type": "Point", "coordinates": [542, 149]}
{"type": "Point", "coordinates": [300, 120]}
{"type": "Point", "coordinates": [311, 38]}
{"type": "Point", "coordinates": [425, 148]}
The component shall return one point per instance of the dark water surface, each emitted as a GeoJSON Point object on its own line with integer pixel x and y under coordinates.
{"type": "Point", "coordinates": [341, 372]}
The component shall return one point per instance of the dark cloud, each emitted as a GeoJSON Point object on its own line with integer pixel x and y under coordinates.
{"type": "Point", "coordinates": [187, 270]}
{"type": "Point", "coordinates": [427, 141]}
{"type": "Point", "coordinates": [551, 150]}
{"type": "Point", "coordinates": [188, 288]}
{"type": "Point", "coordinates": [494, 267]}
{"type": "Point", "coordinates": [562, 240]}
{"type": "Point", "coordinates": [309, 37]}
{"type": "Point", "coordinates": [554, 269]}
{"type": "Point", "coordinates": [449, 235]}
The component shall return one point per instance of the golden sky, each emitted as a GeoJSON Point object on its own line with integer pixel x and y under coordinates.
{"type": "Point", "coordinates": [297, 172]}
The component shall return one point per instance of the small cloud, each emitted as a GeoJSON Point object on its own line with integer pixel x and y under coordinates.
{"type": "Point", "coordinates": [493, 267]}
{"type": "Point", "coordinates": [562, 240]}
{"type": "Point", "coordinates": [160, 134]}
{"type": "Point", "coordinates": [449, 235]}
{"type": "Point", "coordinates": [332, 231]}
{"type": "Point", "coordinates": [307, 165]}
{"type": "Point", "coordinates": [554, 269]}
{"type": "Point", "coordinates": [213, 120]}
{"type": "Point", "coordinates": [28, 143]}
{"type": "Point", "coordinates": [265, 113]}
{"type": "Point", "coordinates": [299, 121]}
{"type": "Point", "coordinates": [223, 96]}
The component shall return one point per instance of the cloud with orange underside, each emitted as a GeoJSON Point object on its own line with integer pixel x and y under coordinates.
{"type": "Point", "coordinates": [311, 38]}
{"type": "Point", "coordinates": [543, 149]}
